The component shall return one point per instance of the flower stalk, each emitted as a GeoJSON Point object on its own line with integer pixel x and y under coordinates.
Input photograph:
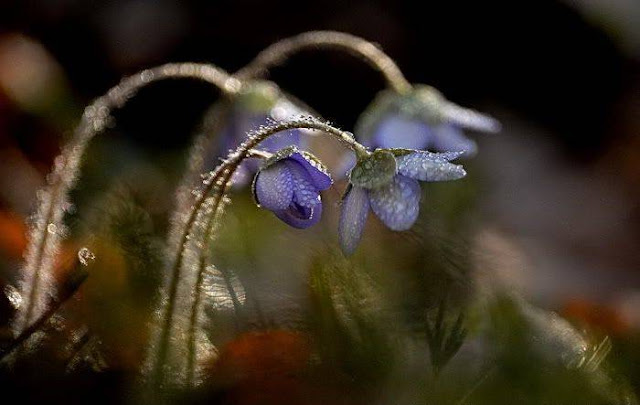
{"type": "Point", "coordinates": [367, 51]}
{"type": "Point", "coordinates": [171, 361]}
{"type": "Point", "coordinates": [197, 230]}
{"type": "Point", "coordinates": [394, 201]}
{"type": "Point", "coordinates": [47, 232]}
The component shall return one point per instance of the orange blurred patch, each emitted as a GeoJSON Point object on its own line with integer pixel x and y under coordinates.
{"type": "Point", "coordinates": [13, 237]}
{"type": "Point", "coordinates": [13, 242]}
{"type": "Point", "coordinates": [595, 315]}
{"type": "Point", "coordinates": [271, 367]}
{"type": "Point", "coordinates": [256, 355]}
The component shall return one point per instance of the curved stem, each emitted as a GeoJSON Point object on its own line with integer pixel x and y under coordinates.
{"type": "Point", "coordinates": [369, 52]}
{"type": "Point", "coordinates": [220, 179]}
{"type": "Point", "coordinates": [212, 222]}
{"type": "Point", "coordinates": [245, 149]}
{"type": "Point", "coordinates": [44, 241]}
{"type": "Point", "coordinates": [202, 265]}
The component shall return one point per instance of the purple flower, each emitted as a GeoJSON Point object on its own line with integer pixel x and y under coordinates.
{"type": "Point", "coordinates": [256, 105]}
{"type": "Point", "coordinates": [421, 119]}
{"type": "Point", "coordinates": [289, 184]}
{"type": "Point", "coordinates": [387, 184]}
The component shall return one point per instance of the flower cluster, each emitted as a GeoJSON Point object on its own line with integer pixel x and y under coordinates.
{"type": "Point", "coordinates": [420, 119]}
{"type": "Point", "coordinates": [385, 181]}
{"type": "Point", "coordinates": [409, 133]}
{"type": "Point", "coordinates": [387, 184]}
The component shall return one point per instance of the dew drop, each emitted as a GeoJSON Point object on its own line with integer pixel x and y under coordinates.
{"type": "Point", "coordinates": [52, 228]}
{"type": "Point", "coordinates": [146, 76]}
{"type": "Point", "coordinates": [14, 296]}
{"type": "Point", "coordinates": [85, 256]}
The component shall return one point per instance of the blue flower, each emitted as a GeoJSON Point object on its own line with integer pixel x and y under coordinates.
{"type": "Point", "coordinates": [421, 119]}
{"type": "Point", "coordinates": [289, 184]}
{"type": "Point", "coordinates": [387, 184]}
{"type": "Point", "coordinates": [258, 103]}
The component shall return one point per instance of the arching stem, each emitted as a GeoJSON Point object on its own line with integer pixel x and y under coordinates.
{"type": "Point", "coordinates": [213, 220]}
{"type": "Point", "coordinates": [367, 51]}
{"type": "Point", "coordinates": [44, 239]}
{"type": "Point", "coordinates": [219, 180]}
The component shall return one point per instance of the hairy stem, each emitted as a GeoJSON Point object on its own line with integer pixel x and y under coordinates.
{"type": "Point", "coordinates": [203, 262]}
{"type": "Point", "coordinates": [212, 223]}
{"type": "Point", "coordinates": [367, 51]}
{"type": "Point", "coordinates": [45, 235]}
{"type": "Point", "coordinates": [218, 181]}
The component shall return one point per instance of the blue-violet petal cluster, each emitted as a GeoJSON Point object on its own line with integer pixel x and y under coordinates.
{"type": "Point", "coordinates": [289, 184]}
{"type": "Point", "coordinates": [387, 184]}
{"type": "Point", "coordinates": [420, 119]}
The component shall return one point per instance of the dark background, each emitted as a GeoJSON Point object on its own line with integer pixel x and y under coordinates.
{"type": "Point", "coordinates": [542, 59]}
{"type": "Point", "coordinates": [562, 179]}
{"type": "Point", "coordinates": [558, 188]}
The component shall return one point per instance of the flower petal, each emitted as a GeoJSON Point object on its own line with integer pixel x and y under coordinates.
{"type": "Point", "coordinates": [471, 119]}
{"type": "Point", "coordinates": [396, 131]}
{"type": "Point", "coordinates": [242, 175]}
{"type": "Point", "coordinates": [280, 140]}
{"type": "Point", "coordinates": [353, 216]}
{"type": "Point", "coordinates": [287, 107]}
{"type": "Point", "coordinates": [397, 204]}
{"type": "Point", "coordinates": [447, 138]}
{"type": "Point", "coordinates": [300, 217]}
{"type": "Point", "coordinates": [244, 121]}
{"type": "Point", "coordinates": [316, 170]}
{"type": "Point", "coordinates": [305, 192]}
{"type": "Point", "coordinates": [344, 166]}
{"type": "Point", "coordinates": [273, 187]}
{"type": "Point", "coordinates": [427, 166]}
